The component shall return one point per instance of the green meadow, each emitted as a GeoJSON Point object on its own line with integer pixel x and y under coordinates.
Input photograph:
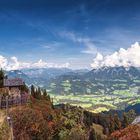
{"type": "Point", "coordinates": [97, 103]}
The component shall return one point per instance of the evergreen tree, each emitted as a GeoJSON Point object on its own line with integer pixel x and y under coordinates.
{"type": "Point", "coordinates": [45, 93]}
{"type": "Point", "coordinates": [39, 93]}
{"type": "Point", "coordinates": [92, 134]}
{"type": "Point", "coordinates": [33, 91]}
{"type": "Point", "coordinates": [125, 120]}
{"type": "Point", "coordinates": [117, 122]}
{"type": "Point", "coordinates": [24, 88]}
{"type": "Point", "coordinates": [111, 124]}
{"type": "Point", "coordinates": [1, 78]}
{"type": "Point", "coordinates": [131, 114]}
{"type": "Point", "coordinates": [49, 97]}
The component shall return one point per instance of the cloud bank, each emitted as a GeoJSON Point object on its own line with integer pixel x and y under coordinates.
{"type": "Point", "coordinates": [123, 57]}
{"type": "Point", "coordinates": [14, 64]}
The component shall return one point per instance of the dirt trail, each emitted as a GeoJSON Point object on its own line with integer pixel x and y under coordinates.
{"type": "Point", "coordinates": [5, 133]}
{"type": "Point", "coordinates": [2, 117]}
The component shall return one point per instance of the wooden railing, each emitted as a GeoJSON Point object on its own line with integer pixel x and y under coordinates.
{"type": "Point", "coordinates": [13, 101]}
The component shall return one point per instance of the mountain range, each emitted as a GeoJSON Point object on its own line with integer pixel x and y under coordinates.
{"type": "Point", "coordinates": [67, 81]}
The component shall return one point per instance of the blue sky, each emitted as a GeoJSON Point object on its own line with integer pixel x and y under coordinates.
{"type": "Point", "coordinates": [67, 31]}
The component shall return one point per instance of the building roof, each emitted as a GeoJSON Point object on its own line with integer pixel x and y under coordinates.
{"type": "Point", "coordinates": [13, 82]}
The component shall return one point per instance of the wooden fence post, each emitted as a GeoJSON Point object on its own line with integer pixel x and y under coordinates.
{"type": "Point", "coordinates": [0, 101]}
{"type": "Point", "coordinates": [20, 100]}
{"type": "Point", "coordinates": [6, 105]}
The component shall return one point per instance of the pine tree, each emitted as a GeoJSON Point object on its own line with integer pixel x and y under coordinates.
{"type": "Point", "coordinates": [111, 124]}
{"type": "Point", "coordinates": [1, 78]}
{"type": "Point", "coordinates": [33, 91]}
{"type": "Point", "coordinates": [24, 88]}
{"type": "Point", "coordinates": [49, 97]}
{"type": "Point", "coordinates": [125, 120]}
{"type": "Point", "coordinates": [38, 93]}
{"type": "Point", "coordinates": [131, 115]}
{"type": "Point", "coordinates": [45, 93]}
{"type": "Point", "coordinates": [92, 134]}
{"type": "Point", "coordinates": [117, 122]}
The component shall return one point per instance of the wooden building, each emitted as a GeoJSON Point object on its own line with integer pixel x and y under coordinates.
{"type": "Point", "coordinates": [13, 85]}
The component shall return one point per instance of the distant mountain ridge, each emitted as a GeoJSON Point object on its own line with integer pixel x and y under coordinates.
{"type": "Point", "coordinates": [114, 73]}
{"type": "Point", "coordinates": [103, 80]}
{"type": "Point", "coordinates": [35, 76]}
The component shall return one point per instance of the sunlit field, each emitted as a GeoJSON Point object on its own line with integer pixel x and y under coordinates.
{"type": "Point", "coordinates": [98, 103]}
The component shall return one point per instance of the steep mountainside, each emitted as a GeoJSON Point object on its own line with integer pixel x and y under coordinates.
{"type": "Point", "coordinates": [42, 120]}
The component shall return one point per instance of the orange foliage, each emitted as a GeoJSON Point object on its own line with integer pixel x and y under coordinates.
{"type": "Point", "coordinates": [36, 120]}
{"type": "Point", "coordinates": [51, 124]}
{"type": "Point", "coordinates": [129, 133]}
{"type": "Point", "coordinates": [27, 121]}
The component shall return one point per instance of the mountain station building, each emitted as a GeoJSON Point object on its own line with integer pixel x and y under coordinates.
{"type": "Point", "coordinates": [13, 85]}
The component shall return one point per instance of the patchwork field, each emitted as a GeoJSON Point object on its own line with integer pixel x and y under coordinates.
{"type": "Point", "coordinates": [97, 103]}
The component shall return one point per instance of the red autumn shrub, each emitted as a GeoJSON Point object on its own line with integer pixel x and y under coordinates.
{"type": "Point", "coordinates": [28, 123]}
{"type": "Point", "coordinates": [129, 133]}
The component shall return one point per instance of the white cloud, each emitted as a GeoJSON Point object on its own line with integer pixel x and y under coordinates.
{"type": "Point", "coordinates": [91, 49]}
{"type": "Point", "coordinates": [3, 61]}
{"type": "Point", "coordinates": [52, 45]}
{"type": "Point", "coordinates": [46, 46]}
{"type": "Point", "coordinates": [123, 57]}
{"type": "Point", "coordinates": [86, 41]}
{"type": "Point", "coordinates": [14, 64]}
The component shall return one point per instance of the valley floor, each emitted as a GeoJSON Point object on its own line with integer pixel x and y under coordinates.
{"type": "Point", "coordinates": [98, 103]}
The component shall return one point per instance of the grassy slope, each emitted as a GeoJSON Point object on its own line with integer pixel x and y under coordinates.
{"type": "Point", "coordinates": [5, 133]}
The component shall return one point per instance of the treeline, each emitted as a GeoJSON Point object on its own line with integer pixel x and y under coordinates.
{"type": "Point", "coordinates": [38, 93]}
{"type": "Point", "coordinates": [98, 126]}
{"type": "Point", "coordinates": [110, 122]}
{"type": "Point", "coordinates": [2, 76]}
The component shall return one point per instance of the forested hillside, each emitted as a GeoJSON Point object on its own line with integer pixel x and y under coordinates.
{"type": "Point", "coordinates": [41, 120]}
